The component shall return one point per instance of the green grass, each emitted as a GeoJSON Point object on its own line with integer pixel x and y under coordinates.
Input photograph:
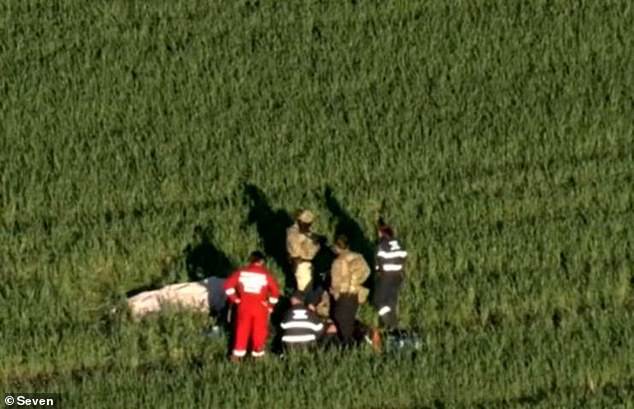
{"type": "Point", "coordinates": [498, 135]}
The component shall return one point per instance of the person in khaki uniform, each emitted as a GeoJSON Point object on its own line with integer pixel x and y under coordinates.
{"type": "Point", "coordinates": [302, 245]}
{"type": "Point", "coordinates": [348, 272]}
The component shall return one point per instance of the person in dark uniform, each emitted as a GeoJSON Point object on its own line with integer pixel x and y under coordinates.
{"type": "Point", "coordinates": [301, 326]}
{"type": "Point", "coordinates": [390, 268]}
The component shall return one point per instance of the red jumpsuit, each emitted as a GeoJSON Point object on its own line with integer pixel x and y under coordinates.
{"type": "Point", "coordinates": [255, 291]}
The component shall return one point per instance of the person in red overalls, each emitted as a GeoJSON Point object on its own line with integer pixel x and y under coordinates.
{"type": "Point", "coordinates": [254, 291]}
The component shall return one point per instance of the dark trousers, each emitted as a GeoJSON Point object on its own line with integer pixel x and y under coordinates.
{"type": "Point", "coordinates": [344, 314]}
{"type": "Point", "coordinates": [299, 348]}
{"type": "Point", "coordinates": [386, 299]}
{"type": "Point", "coordinates": [328, 341]}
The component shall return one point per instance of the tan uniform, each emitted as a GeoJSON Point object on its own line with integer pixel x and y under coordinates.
{"type": "Point", "coordinates": [301, 249]}
{"type": "Point", "coordinates": [348, 272]}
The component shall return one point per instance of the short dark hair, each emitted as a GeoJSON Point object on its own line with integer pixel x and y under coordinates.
{"type": "Point", "coordinates": [314, 296]}
{"type": "Point", "coordinates": [385, 229]}
{"type": "Point", "coordinates": [256, 256]}
{"type": "Point", "coordinates": [342, 241]}
{"type": "Point", "coordinates": [299, 295]}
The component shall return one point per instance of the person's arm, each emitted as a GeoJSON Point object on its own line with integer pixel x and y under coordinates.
{"type": "Point", "coordinates": [378, 256]}
{"type": "Point", "coordinates": [335, 276]}
{"type": "Point", "coordinates": [288, 317]}
{"type": "Point", "coordinates": [366, 271]}
{"type": "Point", "coordinates": [318, 326]}
{"type": "Point", "coordinates": [230, 288]}
{"type": "Point", "coordinates": [293, 247]}
{"type": "Point", "coordinates": [381, 252]}
{"type": "Point", "coordinates": [273, 291]}
{"type": "Point", "coordinates": [403, 259]}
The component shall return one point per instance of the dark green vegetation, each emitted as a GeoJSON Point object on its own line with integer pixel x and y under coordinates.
{"type": "Point", "coordinates": [498, 133]}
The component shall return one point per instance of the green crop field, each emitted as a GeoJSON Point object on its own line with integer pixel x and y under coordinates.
{"type": "Point", "coordinates": [496, 135]}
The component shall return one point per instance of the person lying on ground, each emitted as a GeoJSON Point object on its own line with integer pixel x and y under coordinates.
{"type": "Point", "coordinates": [205, 296]}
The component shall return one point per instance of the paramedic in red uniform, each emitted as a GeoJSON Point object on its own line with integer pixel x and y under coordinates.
{"type": "Point", "coordinates": [254, 291]}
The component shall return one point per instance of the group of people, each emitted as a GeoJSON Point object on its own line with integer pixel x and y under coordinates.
{"type": "Point", "coordinates": [320, 310]}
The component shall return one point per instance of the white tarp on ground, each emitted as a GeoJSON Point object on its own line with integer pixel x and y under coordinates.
{"type": "Point", "coordinates": [200, 295]}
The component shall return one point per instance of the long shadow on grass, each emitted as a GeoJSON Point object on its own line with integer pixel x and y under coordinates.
{"type": "Point", "coordinates": [271, 225]}
{"type": "Point", "coordinates": [202, 260]}
{"type": "Point", "coordinates": [347, 225]}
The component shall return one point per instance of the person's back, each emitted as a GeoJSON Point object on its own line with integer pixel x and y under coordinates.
{"type": "Point", "coordinates": [301, 326]}
{"type": "Point", "coordinates": [349, 272]}
{"type": "Point", "coordinates": [254, 291]}
{"type": "Point", "coordinates": [252, 284]}
{"type": "Point", "coordinates": [390, 265]}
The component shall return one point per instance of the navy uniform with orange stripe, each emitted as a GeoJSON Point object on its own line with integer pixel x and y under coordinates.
{"type": "Point", "coordinates": [254, 291]}
{"type": "Point", "coordinates": [390, 266]}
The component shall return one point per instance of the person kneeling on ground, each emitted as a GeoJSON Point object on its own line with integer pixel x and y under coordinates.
{"type": "Point", "coordinates": [302, 328]}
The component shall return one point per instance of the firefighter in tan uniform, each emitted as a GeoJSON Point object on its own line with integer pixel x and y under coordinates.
{"type": "Point", "coordinates": [302, 245]}
{"type": "Point", "coordinates": [347, 275]}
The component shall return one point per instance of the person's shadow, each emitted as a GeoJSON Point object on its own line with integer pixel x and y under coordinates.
{"type": "Point", "coordinates": [348, 226]}
{"type": "Point", "coordinates": [271, 225]}
{"type": "Point", "coordinates": [203, 258]}
{"type": "Point", "coordinates": [204, 262]}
